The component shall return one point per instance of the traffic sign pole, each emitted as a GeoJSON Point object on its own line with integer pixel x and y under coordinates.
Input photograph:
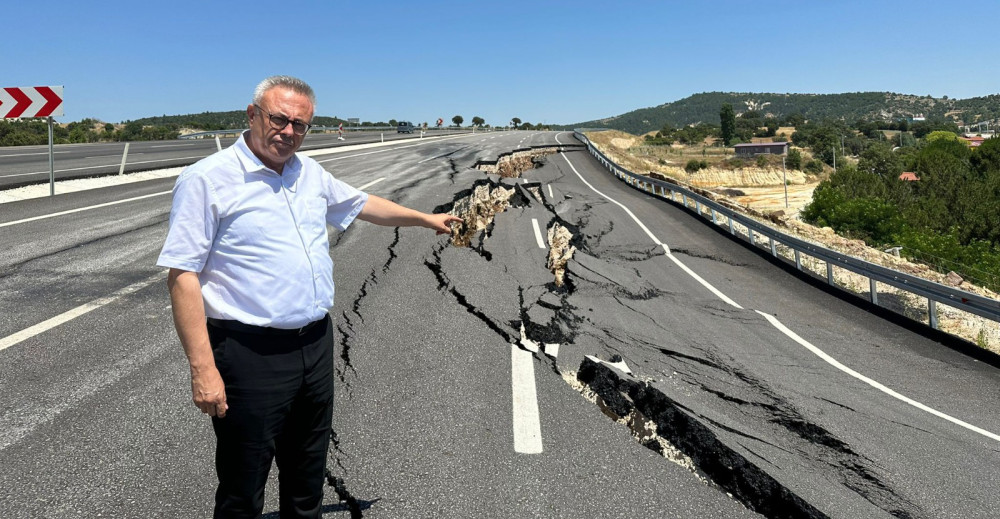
{"type": "Point", "coordinates": [30, 102]}
{"type": "Point", "coordinates": [52, 164]}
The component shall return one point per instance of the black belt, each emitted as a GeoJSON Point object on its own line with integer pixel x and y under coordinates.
{"type": "Point", "coordinates": [236, 326]}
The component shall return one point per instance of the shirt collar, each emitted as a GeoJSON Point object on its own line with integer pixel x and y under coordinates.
{"type": "Point", "coordinates": [250, 162]}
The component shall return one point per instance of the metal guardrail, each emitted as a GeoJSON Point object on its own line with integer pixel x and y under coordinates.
{"type": "Point", "coordinates": [934, 292]}
{"type": "Point", "coordinates": [347, 129]}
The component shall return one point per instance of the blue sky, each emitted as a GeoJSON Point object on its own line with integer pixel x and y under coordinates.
{"type": "Point", "coordinates": [542, 61]}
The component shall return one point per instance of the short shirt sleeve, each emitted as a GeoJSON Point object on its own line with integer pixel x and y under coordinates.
{"type": "Point", "coordinates": [344, 202]}
{"type": "Point", "coordinates": [194, 221]}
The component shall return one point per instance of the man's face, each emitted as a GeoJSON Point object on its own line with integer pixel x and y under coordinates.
{"type": "Point", "coordinates": [275, 146]}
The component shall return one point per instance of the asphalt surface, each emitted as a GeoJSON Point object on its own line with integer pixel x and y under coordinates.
{"type": "Point", "coordinates": [26, 165]}
{"type": "Point", "coordinates": [96, 418]}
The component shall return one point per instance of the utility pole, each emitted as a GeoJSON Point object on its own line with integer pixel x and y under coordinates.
{"type": "Point", "coordinates": [784, 177]}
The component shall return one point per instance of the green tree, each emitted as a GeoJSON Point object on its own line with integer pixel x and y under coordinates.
{"type": "Point", "coordinates": [478, 121]}
{"type": "Point", "coordinates": [457, 120]}
{"type": "Point", "coordinates": [516, 121]}
{"type": "Point", "coordinates": [986, 158]}
{"type": "Point", "coordinates": [728, 123]}
{"type": "Point", "coordinates": [794, 159]}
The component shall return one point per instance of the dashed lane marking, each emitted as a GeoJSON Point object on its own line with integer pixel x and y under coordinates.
{"type": "Point", "coordinates": [370, 184]}
{"type": "Point", "coordinates": [538, 233]}
{"type": "Point", "coordinates": [526, 422]}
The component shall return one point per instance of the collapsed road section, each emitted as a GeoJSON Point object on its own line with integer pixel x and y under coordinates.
{"type": "Point", "coordinates": [597, 275]}
{"type": "Point", "coordinates": [599, 294]}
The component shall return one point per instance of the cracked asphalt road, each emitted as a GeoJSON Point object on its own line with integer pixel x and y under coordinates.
{"type": "Point", "coordinates": [96, 417]}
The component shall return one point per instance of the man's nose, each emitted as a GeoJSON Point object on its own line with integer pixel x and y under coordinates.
{"type": "Point", "coordinates": [288, 130]}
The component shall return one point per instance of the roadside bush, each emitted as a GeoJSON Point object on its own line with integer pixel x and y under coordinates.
{"type": "Point", "coordinates": [794, 160]}
{"type": "Point", "coordinates": [814, 166]}
{"type": "Point", "coordinates": [694, 165]}
{"type": "Point", "coordinates": [762, 161]}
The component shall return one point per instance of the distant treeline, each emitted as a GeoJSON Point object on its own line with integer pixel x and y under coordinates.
{"type": "Point", "coordinates": [35, 131]}
{"type": "Point", "coordinates": [849, 107]}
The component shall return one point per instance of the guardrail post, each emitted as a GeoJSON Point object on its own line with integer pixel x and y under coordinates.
{"type": "Point", "coordinates": [684, 198]}
{"type": "Point", "coordinates": [731, 230]}
{"type": "Point", "coordinates": [932, 313]}
{"type": "Point", "coordinates": [697, 207]}
{"type": "Point", "coordinates": [751, 237]}
{"type": "Point", "coordinates": [714, 221]}
{"type": "Point", "coordinates": [873, 290]}
{"type": "Point", "coordinates": [829, 272]}
{"type": "Point", "coordinates": [798, 260]}
{"type": "Point", "coordinates": [774, 249]}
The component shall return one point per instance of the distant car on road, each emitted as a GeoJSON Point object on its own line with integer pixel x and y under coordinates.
{"type": "Point", "coordinates": [405, 127]}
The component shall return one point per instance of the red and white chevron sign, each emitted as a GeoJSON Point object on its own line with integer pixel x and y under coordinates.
{"type": "Point", "coordinates": [43, 101]}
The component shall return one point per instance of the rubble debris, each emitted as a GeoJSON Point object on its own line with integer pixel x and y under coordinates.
{"type": "Point", "coordinates": [511, 165]}
{"type": "Point", "coordinates": [560, 251]}
{"type": "Point", "coordinates": [477, 211]}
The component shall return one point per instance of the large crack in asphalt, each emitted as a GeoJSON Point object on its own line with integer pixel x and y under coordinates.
{"type": "Point", "coordinates": [586, 271]}
{"type": "Point", "coordinates": [345, 328]}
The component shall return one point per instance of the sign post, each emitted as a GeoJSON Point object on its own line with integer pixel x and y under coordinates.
{"type": "Point", "coordinates": [30, 102]}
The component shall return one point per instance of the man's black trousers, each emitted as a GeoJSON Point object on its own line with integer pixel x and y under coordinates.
{"type": "Point", "coordinates": [279, 387]}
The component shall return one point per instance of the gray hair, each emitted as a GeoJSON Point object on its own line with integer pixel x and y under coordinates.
{"type": "Point", "coordinates": [292, 83]}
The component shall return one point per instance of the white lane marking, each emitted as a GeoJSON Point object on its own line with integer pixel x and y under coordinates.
{"type": "Point", "coordinates": [818, 352]}
{"type": "Point", "coordinates": [718, 293]}
{"type": "Point", "coordinates": [550, 191]}
{"type": "Point", "coordinates": [538, 234]}
{"type": "Point", "coordinates": [620, 365]}
{"type": "Point", "coordinates": [370, 184]}
{"type": "Point", "coordinates": [629, 212]}
{"type": "Point", "coordinates": [104, 166]}
{"type": "Point", "coordinates": [26, 154]}
{"type": "Point", "coordinates": [171, 146]}
{"type": "Point", "coordinates": [527, 425]}
{"type": "Point", "coordinates": [436, 140]}
{"type": "Point", "coordinates": [106, 204]}
{"type": "Point", "coordinates": [69, 315]}
{"type": "Point", "coordinates": [667, 253]}
{"type": "Point", "coordinates": [833, 362]}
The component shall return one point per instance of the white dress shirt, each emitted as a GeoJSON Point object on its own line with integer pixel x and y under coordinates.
{"type": "Point", "coordinates": [258, 239]}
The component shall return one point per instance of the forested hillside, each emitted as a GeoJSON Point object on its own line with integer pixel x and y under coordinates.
{"type": "Point", "coordinates": [849, 107]}
{"type": "Point", "coordinates": [218, 120]}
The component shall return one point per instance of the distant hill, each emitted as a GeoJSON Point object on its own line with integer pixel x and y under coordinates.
{"type": "Point", "coordinates": [877, 106]}
{"type": "Point", "coordinates": [219, 120]}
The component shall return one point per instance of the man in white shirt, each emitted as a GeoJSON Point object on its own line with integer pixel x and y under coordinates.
{"type": "Point", "coordinates": [251, 284]}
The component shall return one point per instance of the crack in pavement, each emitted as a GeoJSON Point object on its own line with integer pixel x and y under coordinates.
{"type": "Point", "coordinates": [345, 327]}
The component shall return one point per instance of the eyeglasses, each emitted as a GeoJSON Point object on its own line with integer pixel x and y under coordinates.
{"type": "Point", "coordinates": [279, 122]}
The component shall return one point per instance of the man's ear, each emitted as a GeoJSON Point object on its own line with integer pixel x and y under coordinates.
{"type": "Point", "coordinates": [250, 112]}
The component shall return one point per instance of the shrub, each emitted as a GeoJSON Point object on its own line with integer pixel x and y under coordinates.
{"type": "Point", "coordinates": [694, 165]}
{"type": "Point", "coordinates": [814, 166]}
